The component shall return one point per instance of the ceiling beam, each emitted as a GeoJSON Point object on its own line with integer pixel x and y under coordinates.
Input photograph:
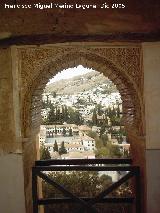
{"type": "Point", "coordinates": [40, 39]}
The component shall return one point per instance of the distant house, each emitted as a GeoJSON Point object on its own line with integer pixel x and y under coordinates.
{"type": "Point", "coordinates": [74, 147]}
{"type": "Point", "coordinates": [79, 155]}
{"type": "Point", "coordinates": [42, 134]}
{"type": "Point", "coordinates": [96, 129]}
{"type": "Point", "coordinates": [125, 147]}
{"type": "Point", "coordinates": [52, 130]}
{"type": "Point", "coordinates": [114, 141]}
{"type": "Point", "coordinates": [88, 142]}
{"type": "Point", "coordinates": [84, 128]}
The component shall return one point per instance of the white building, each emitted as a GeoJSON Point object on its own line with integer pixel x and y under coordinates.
{"type": "Point", "coordinates": [79, 155]}
{"type": "Point", "coordinates": [53, 130]}
{"type": "Point", "coordinates": [42, 134]}
{"type": "Point", "coordinates": [88, 142]}
{"type": "Point", "coordinates": [74, 147]}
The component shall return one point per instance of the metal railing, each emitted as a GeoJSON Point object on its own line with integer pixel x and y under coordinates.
{"type": "Point", "coordinates": [43, 166]}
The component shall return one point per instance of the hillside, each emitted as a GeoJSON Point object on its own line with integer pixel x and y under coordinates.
{"type": "Point", "coordinates": [81, 83]}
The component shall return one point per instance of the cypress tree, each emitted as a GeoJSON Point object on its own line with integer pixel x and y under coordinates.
{"type": "Point", "coordinates": [62, 149]}
{"type": "Point", "coordinates": [94, 117]}
{"type": "Point", "coordinates": [55, 130]}
{"type": "Point", "coordinates": [47, 99]}
{"type": "Point", "coordinates": [64, 131]}
{"type": "Point", "coordinates": [51, 116]}
{"type": "Point", "coordinates": [55, 146]}
{"type": "Point", "coordinates": [99, 109]}
{"type": "Point", "coordinates": [70, 132]}
{"type": "Point", "coordinates": [118, 111]}
{"type": "Point", "coordinates": [65, 113]}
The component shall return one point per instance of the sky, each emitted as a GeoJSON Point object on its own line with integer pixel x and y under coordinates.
{"type": "Point", "coordinates": [70, 73]}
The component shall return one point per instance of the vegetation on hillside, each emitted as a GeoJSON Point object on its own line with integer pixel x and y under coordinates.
{"type": "Point", "coordinates": [59, 115]}
{"type": "Point", "coordinates": [82, 83]}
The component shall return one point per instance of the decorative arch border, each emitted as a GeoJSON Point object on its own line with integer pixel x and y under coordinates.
{"type": "Point", "coordinates": [129, 88]}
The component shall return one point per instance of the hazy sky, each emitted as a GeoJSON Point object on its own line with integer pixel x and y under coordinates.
{"type": "Point", "coordinates": [69, 73]}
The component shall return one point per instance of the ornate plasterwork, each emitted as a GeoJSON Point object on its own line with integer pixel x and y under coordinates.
{"type": "Point", "coordinates": [120, 64]}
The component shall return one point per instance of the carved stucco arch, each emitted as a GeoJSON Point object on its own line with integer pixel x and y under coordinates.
{"type": "Point", "coordinates": [128, 88]}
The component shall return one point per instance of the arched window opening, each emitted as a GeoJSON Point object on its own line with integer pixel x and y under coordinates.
{"type": "Point", "coordinates": [82, 117]}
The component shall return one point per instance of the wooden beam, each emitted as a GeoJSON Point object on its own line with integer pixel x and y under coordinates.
{"type": "Point", "coordinates": [84, 161]}
{"type": "Point", "coordinates": [85, 168]}
{"type": "Point", "coordinates": [40, 39]}
{"type": "Point", "coordinates": [47, 201]}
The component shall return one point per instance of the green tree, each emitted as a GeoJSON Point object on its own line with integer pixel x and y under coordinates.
{"type": "Point", "coordinates": [47, 99]}
{"type": "Point", "coordinates": [54, 94]}
{"type": "Point", "coordinates": [109, 150]}
{"type": "Point", "coordinates": [62, 149]}
{"type": "Point", "coordinates": [57, 115]}
{"type": "Point", "coordinates": [114, 112]}
{"type": "Point", "coordinates": [99, 143]}
{"type": "Point", "coordinates": [66, 115]}
{"type": "Point", "coordinates": [55, 130]}
{"type": "Point", "coordinates": [51, 116]}
{"type": "Point", "coordinates": [44, 152]}
{"type": "Point", "coordinates": [99, 109]}
{"type": "Point", "coordinates": [118, 111]}
{"type": "Point", "coordinates": [64, 131]}
{"type": "Point", "coordinates": [92, 134]}
{"type": "Point", "coordinates": [106, 120]}
{"type": "Point", "coordinates": [81, 101]}
{"type": "Point", "coordinates": [103, 129]}
{"type": "Point", "coordinates": [44, 105]}
{"type": "Point", "coordinates": [104, 138]}
{"type": "Point", "coordinates": [109, 112]}
{"type": "Point", "coordinates": [55, 146]}
{"type": "Point", "coordinates": [94, 117]}
{"type": "Point", "coordinates": [75, 181]}
{"type": "Point", "coordinates": [70, 132]}
{"type": "Point", "coordinates": [78, 118]}
{"type": "Point", "coordinates": [63, 114]}
{"type": "Point", "coordinates": [102, 152]}
{"type": "Point", "coordinates": [115, 151]}
{"type": "Point", "coordinates": [74, 117]}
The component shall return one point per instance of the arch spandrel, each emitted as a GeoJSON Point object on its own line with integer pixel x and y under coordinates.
{"type": "Point", "coordinates": [120, 65]}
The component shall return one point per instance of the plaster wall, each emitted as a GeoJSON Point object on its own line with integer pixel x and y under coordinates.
{"type": "Point", "coordinates": [9, 105]}
{"type": "Point", "coordinates": [6, 110]}
{"type": "Point", "coordinates": [12, 184]}
{"type": "Point", "coordinates": [153, 181]}
{"type": "Point", "coordinates": [151, 60]}
{"type": "Point", "coordinates": [12, 198]}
